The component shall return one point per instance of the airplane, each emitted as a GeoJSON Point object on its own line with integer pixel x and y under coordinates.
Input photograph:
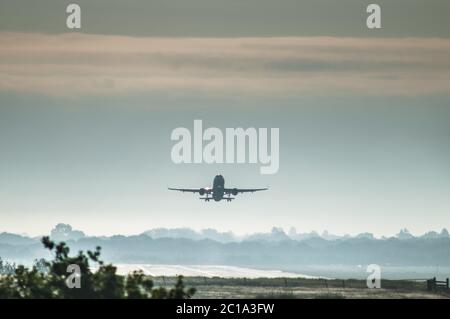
{"type": "Point", "coordinates": [218, 191]}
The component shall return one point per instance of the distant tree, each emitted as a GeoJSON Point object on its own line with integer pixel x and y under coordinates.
{"type": "Point", "coordinates": [179, 292]}
{"type": "Point", "coordinates": [65, 232]}
{"type": "Point", "coordinates": [41, 265]}
{"type": "Point", "coordinates": [48, 279]}
{"type": "Point", "coordinates": [6, 268]}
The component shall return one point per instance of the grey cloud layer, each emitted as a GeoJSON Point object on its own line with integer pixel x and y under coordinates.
{"type": "Point", "coordinates": [99, 64]}
{"type": "Point", "coordinates": [232, 18]}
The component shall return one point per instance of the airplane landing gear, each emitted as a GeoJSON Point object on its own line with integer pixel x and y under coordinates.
{"type": "Point", "coordinates": [229, 198]}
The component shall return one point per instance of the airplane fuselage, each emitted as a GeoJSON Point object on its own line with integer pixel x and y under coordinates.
{"type": "Point", "coordinates": [218, 188]}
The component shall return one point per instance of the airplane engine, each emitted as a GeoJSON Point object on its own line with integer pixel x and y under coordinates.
{"type": "Point", "coordinates": [202, 191]}
{"type": "Point", "coordinates": [234, 191]}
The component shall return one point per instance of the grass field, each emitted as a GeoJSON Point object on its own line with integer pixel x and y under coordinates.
{"type": "Point", "coordinates": [288, 288]}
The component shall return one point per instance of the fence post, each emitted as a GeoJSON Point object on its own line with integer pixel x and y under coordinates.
{"type": "Point", "coordinates": [431, 284]}
{"type": "Point", "coordinates": [447, 282]}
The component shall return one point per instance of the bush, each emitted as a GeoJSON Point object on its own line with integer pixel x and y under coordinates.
{"type": "Point", "coordinates": [6, 268]}
{"type": "Point", "coordinates": [49, 279]}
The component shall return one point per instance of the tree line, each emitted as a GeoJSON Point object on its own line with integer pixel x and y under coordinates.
{"type": "Point", "coordinates": [49, 279]}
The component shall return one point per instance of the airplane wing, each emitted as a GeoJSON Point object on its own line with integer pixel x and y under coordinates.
{"type": "Point", "coordinates": [235, 191]}
{"type": "Point", "coordinates": [191, 190]}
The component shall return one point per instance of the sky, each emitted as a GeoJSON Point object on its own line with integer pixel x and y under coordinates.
{"type": "Point", "coordinates": [86, 116]}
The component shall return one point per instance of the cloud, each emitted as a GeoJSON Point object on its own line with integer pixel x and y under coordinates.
{"type": "Point", "coordinates": [76, 63]}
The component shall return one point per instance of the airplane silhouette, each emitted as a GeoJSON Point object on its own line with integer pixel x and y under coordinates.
{"type": "Point", "coordinates": [218, 191]}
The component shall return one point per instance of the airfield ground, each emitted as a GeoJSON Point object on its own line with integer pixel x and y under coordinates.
{"type": "Point", "coordinates": [288, 288]}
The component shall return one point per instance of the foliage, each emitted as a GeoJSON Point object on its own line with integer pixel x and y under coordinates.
{"type": "Point", "coordinates": [41, 265]}
{"type": "Point", "coordinates": [6, 267]}
{"type": "Point", "coordinates": [49, 279]}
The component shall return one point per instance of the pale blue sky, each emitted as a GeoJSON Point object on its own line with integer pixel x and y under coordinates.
{"type": "Point", "coordinates": [344, 167]}
{"type": "Point", "coordinates": [85, 120]}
